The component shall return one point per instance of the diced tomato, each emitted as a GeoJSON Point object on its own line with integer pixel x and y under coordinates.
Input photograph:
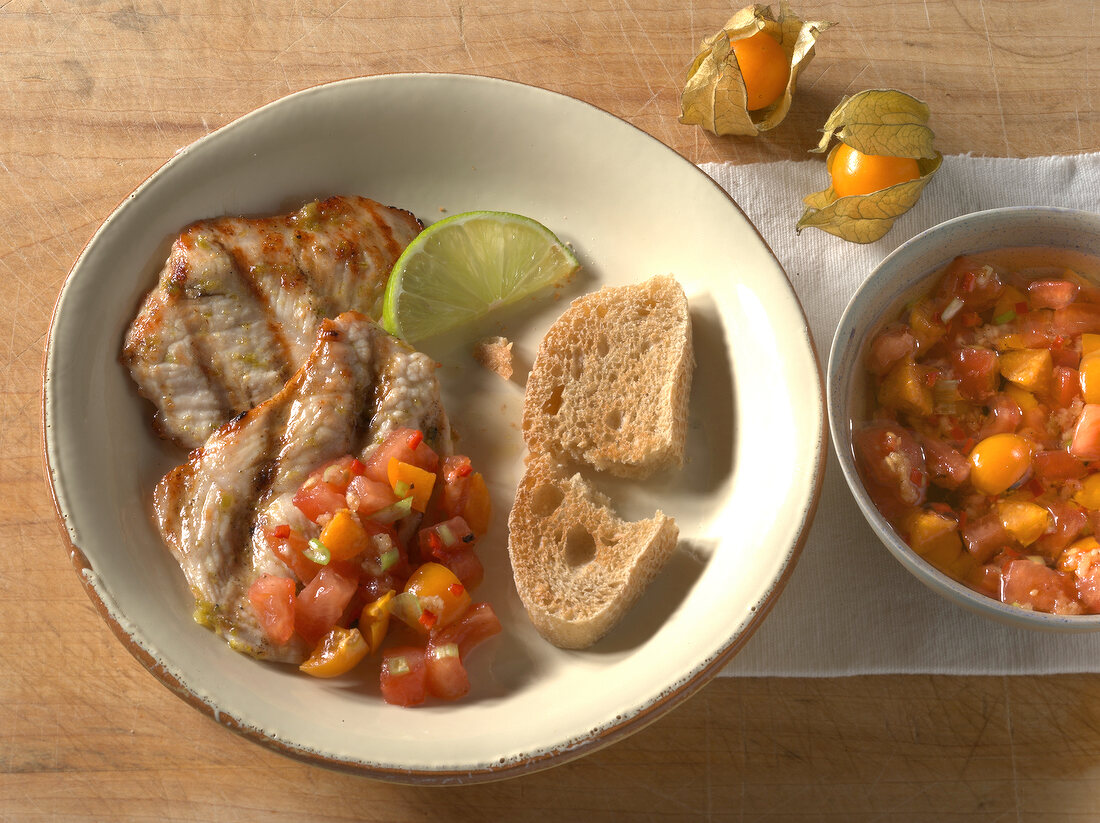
{"type": "Point", "coordinates": [1077, 318]}
{"type": "Point", "coordinates": [1086, 436]}
{"type": "Point", "coordinates": [892, 465]}
{"type": "Point", "coordinates": [476, 626]}
{"type": "Point", "coordinates": [366, 496]}
{"type": "Point", "coordinates": [273, 600]}
{"type": "Point", "coordinates": [1068, 521]}
{"type": "Point", "coordinates": [447, 675]}
{"type": "Point", "coordinates": [464, 494]}
{"type": "Point", "coordinates": [891, 345]}
{"type": "Point", "coordinates": [1066, 386]}
{"type": "Point", "coordinates": [984, 536]}
{"type": "Point", "coordinates": [291, 550]}
{"type": "Point", "coordinates": [397, 446]}
{"type": "Point", "coordinates": [1088, 589]}
{"type": "Point", "coordinates": [976, 284]}
{"type": "Point", "coordinates": [1057, 465]}
{"type": "Point", "coordinates": [321, 603]}
{"type": "Point", "coordinates": [1051, 294]}
{"type": "Point", "coordinates": [1004, 416]}
{"type": "Point", "coordinates": [451, 543]}
{"type": "Point", "coordinates": [1030, 584]}
{"type": "Point", "coordinates": [318, 499]}
{"type": "Point", "coordinates": [976, 370]}
{"type": "Point", "coordinates": [947, 468]}
{"type": "Point", "coordinates": [404, 678]}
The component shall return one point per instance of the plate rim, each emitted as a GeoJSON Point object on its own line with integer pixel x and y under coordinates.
{"type": "Point", "coordinates": [595, 738]}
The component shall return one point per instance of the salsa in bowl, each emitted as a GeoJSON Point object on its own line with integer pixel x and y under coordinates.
{"type": "Point", "coordinates": [964, 403]}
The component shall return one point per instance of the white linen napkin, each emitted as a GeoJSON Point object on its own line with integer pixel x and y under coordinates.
{"type": "Point", "coordinates": [849, 607]}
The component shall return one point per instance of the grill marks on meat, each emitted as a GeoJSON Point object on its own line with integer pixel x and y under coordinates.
{"type": "Point", "coordinates": [240, 301]}
{"type": "Point", "coordinates": [357, 384]}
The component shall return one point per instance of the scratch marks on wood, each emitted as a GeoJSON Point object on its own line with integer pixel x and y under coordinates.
{"type": "Point", "coordinates": [993, 75]}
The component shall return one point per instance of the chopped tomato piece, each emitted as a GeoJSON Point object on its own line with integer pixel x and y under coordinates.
{"type": "Point", "coordinates": [318, 499]}
{"type": "Point", "coordinates": [321, 603]}
{"type": "Point", "coordinates": [1033, 585]}
{"type": "Point", "coordinates": [1086, 436]}
{"type": "Point", "coordinates": [947, 467]}
{"type": "Point", "coordinates": [1004, 416]}
{"type": "Point", "coordinates": [893, 467]}
{"type": "Point", "coordinates": [366, 496]}
{"type": "Point", "coordinates": [396, 446]}
{"type": "Point", "coordinates": [970, 280]}
{"type": "Point", "coordinates": [451, 543]}
{"type": "Point", "coordinates": [404, 678]}
{"type": "Point", "coordinates": [891, 345]}
{"type": "Point", "coordinates": [477, 625]}
{"type": "Point", "coordinates": [1051, 294]}
{"type": "Point", "coordinates": [447, 675]}
{"type": "Point", "coordinates": [1066, 386]}
{"type": "Point", "coordinates": [464, 494]}
{"type": "Point", "coordinates": [1057, 465]}
{"type": "Point", "coordinates": [272, 598]}
{"type": "Point", "coordinates": [1067, 522]}
{"type": "Point", "coordinates": [291, 550]}
{"type": "Point", "coordinates": [1077, 318]}
{"type": "Point", "coordinates": [976, 370]}
{"type": "Point", "coordinates": [984, 536]}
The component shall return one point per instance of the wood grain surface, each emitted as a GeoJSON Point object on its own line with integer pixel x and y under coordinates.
{"type": "Point", "coordinates": [95, 95]}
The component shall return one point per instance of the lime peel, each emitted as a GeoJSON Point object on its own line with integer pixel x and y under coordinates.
{"type": "Point", "coordinates": [467, 265]}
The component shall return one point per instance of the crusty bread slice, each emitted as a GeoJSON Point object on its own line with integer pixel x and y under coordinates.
{"type": "Point", "coordinates": [611, 379]}
{"type": "Point", "coordinates": [578, 567]}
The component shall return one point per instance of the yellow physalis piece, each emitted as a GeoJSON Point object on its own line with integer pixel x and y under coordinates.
{"type": "Point", "coordinates": [743, 79]}
{"type": "Point", "coordinates": [879, 167]}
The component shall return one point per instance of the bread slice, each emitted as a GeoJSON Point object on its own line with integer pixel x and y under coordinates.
{"type": "Point", "coordinates": [611, 379]}
{"type": "Point", "coordinates": [578, 567]}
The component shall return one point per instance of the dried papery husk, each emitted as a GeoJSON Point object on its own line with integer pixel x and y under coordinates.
{"type": "Point", "coordinates": [878, 121]}
{"type": "Point", "coordinates": [714, 95]}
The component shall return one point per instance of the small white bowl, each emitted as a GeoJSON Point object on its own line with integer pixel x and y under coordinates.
{"type": "Point", "coordinates": [906, 273]}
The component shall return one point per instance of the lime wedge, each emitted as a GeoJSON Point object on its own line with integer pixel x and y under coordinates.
{"type": "Point", "coordinates": [464, 266]}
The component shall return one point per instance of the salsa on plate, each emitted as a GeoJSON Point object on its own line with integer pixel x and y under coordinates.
{"type": "Point", "coordinates": [982, 443]}
{"type": "Point", "coordinates": [389, 546]}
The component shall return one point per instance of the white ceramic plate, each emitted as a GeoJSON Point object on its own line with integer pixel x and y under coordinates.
{"type": "Point", "coordinates": [632, 208]}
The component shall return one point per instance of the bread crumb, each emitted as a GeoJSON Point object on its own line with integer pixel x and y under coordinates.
{"type": "Point", "coordinates": [495, 354]}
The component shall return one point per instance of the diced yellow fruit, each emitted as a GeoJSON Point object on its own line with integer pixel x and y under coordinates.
{"type": "Point", "coordinates": [339, 652]}
{"type": "Point", "coordinates": [1024, 399]}
{"type": "Point", "coordinates": [374, 622]}
{"type": "Point", "coordinates": [344, 536]}
{"type": "Point", "coordinates": [1089, 374]}
{"type": "Point", "coordinates": [999, 462]}
{"type": "Point", "coordinates": [905, 388]}
{"type": "Point", "coordinates": [925, 324]}
{"type": "Point", "coordinates": [1080, 556]}
{"type": "Point", "coordinates": [1088, 495]}
{"type": "Point", "coordinates": [1024, 520]}
{"type": "Point", "coordinates": [1028, 368]}
{"type": "Point", "coordinates": [934, 536]}
{"type": "Point", "coordinates": [1007, 302]}
{"type": "Point", "coordinates": [416, 482]}
{"type": "Point", "coordinates": [1009, 341]}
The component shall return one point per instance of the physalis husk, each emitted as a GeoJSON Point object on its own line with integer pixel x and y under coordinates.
{"type": "Point", "coordinates": [875, 122]}
{"type": "Point", "coordinates": [715, 96]}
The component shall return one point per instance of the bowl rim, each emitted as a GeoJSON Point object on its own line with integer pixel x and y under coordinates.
{"type": "Point", "coordinates": [837, 387]}
{"type": "Point", "coordinates": [687, 686]}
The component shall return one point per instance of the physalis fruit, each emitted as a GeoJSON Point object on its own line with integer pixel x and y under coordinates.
{"type": "Point", "coordinates": [879, 167]}
{"type": "Point", "coordinates": [743, 78]}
